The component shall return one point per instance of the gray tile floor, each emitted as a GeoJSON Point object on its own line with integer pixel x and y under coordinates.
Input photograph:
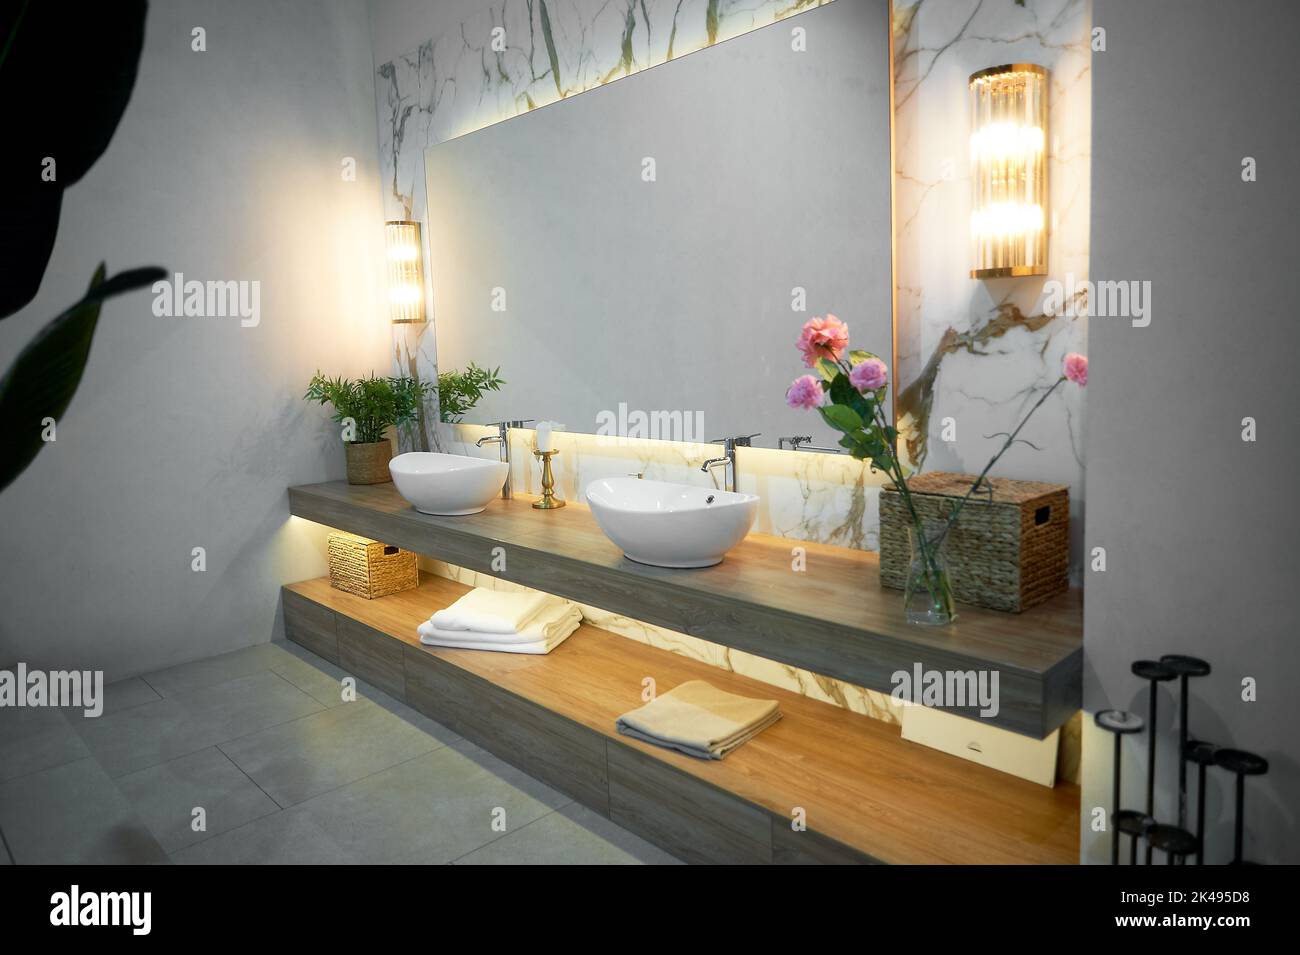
{"type": "Point", "coordinates": [256, 757]}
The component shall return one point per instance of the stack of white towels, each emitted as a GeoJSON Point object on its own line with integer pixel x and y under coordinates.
{"type": "Point", "coordinates": [524, 621]}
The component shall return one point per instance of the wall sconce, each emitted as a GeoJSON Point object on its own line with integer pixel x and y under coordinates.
{"type": "Point", "coordinates": [405, 273]}
{"type": "Point", "coordinates": [1008, 156]}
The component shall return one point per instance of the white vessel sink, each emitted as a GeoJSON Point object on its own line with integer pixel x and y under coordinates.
{"type": "Point", "coordinates": [670, 525]}
{"type": "Point", "coordinates": [447, 483]}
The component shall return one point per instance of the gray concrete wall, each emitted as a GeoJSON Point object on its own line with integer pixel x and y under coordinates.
{"type": "Point", "coordinates": [1199, 527]}
{"type": "Point", "coordinates": [186, 431]}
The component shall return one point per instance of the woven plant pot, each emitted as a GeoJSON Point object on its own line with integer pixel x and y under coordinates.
{"type": "Point", "coordinates": [368, 463]}
{"type": "Point", "coordinates": [1007, 552]}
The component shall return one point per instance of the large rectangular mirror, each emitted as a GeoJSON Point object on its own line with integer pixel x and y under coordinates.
{"type": "Point", "coordinates": [645, 253]}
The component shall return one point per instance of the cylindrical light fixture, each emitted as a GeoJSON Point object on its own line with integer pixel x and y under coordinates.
{"type": "Point", "coordinates": [405, 274]}
{"type": "Point", "coordinates": [1008, 156]}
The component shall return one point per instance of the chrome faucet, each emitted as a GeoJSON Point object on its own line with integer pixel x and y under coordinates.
{"type": "Point", "coordinates": [728, 459]}
{"type": "Point", "coordinates": [804, 443]}
{"type": "Point", "coordinates": [502, 437]}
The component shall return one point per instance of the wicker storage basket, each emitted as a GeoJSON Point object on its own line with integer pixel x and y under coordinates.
{"type": "Point", "coordinates": [1008, 553]}
{"type": "Point", "coordinates": [368, 568]}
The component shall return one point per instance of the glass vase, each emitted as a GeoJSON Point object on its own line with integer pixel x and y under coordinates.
{"type": "Point", "coordinates": [927, 598]}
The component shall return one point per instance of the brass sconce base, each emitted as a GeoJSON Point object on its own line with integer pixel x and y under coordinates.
{"type": "Point", "coordinates": [549, 501]}
{"type": "Point", "coordinates": [1014, 271]}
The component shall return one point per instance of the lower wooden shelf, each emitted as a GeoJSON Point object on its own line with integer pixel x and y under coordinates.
{"type": "Point", "coordinates": [867, 794]}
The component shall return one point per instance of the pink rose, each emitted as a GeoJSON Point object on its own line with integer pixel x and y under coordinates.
{"type": "Point", "coordinates": [805, 393]}
{"type": "Point", "coordinates": [869, 375]}
{"type": "Point", "coordinates": [1076, 368]}
{"type": "Point", "coordinates": [823, 338]}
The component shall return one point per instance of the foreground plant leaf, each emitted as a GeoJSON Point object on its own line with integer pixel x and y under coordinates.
{"type": "Point", "coordinates": [49, 57]}
{"type": "Point", "coordinates": [45, 375]}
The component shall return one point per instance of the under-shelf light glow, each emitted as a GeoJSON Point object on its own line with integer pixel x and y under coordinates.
{"type": "Point", "coordinates": [1008, 156]}
{"type": "Point", "coordinates": [405, 275]}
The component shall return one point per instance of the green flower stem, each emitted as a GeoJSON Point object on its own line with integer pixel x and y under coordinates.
{"type": "Point", "coordinates": [936, 578]}
{"type": "Point", "coordinates": [1011, 439]}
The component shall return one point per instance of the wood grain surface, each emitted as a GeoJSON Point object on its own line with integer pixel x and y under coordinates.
{"type": "Point", "coordinates": [832, 618]}
{"type": "Point", "coordinates": [862, 788]}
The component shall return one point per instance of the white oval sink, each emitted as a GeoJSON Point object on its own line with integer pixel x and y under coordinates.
{"type": "Point", "coordinates": [670, 525]}
{"type": "Point", "coordinates": [450, 484]}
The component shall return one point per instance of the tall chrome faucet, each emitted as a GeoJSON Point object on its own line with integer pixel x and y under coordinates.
{"type": "Point", "coordinates": [502, 437]}
{"type": "Point", "coordinates": [728, 459]}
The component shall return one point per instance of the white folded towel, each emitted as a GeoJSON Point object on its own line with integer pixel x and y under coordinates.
{"type": "Point", "coordinates": [552, 622]}
{"type": "Point", "coordinates": [535, 648]}
{"type": "Point", "coordinates": [546, 631]}
{"type": "Point", "coordinates": [493, 611]}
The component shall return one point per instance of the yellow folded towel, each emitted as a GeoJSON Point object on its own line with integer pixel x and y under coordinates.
{"type": "Point", "coordinates": [493, 611]}
{"type": "Point", "coordinates": [700, 720]}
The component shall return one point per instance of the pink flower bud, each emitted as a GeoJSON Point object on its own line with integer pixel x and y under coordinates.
{"type": "Point", "coordinates": [869, 375]}
{"type": "Point", "coordinates": [806, 393]}
{"type": "Point", "coordinates": [1076, 368]}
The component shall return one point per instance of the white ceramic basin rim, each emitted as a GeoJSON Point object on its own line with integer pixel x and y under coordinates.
{"type": "Point", "coordinates": [671, 525]}
{"type": "Point", "coordinates": [450, 484]}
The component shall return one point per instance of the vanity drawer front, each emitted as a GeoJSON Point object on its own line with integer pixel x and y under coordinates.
{"type": "Point", "coordinates": [552, 748]}
{"type": "Point", "coordinates": [691, 819]}
{"type": "Point", "coordinates": [310, 625]}
{"type": "Point", "coordinates": [372, 656]}
{"type": "Point", "coordinates": [556, 750]}
{"type": "Point", "coordinates": [811, 848]}
{"type": "Point", "coordinates": [441, 693]}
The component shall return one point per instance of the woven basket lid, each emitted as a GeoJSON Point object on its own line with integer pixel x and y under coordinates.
{"type": "Point", "coordinates": [348, 538]}
{"type": "Point", "coordinates": [1005, 490]}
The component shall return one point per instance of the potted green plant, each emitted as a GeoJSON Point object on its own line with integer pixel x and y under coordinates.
{"type": "Point", "coordinates": [459, 391]}
{"type": "Point", "coordinates": [367, 408]}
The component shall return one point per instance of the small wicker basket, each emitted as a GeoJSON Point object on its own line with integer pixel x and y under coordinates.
{"type": "Point", "coordinates": [1008, 552]}
{"type": "Point", "coordinates": [368, 568]}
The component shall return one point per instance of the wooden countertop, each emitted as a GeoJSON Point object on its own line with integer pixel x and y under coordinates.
{"type": "Point", "coordinates": [833, 618]}
{"type": "Point", "coordinates": [859, 781]}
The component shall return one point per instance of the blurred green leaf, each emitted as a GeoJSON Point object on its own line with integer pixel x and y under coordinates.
{"type": "Point", "coordinates": [841, 418]}
{"type": "Point", "coordinates": [841, 389]}
{"type": "Point", "coordinates": [827, 369]}
{"type": "Point", "coordinates": [44, 377]}
{"type": "Point", "coordinates": [97, 51]}
{"type": "Point", "coordinates": [843, 393]}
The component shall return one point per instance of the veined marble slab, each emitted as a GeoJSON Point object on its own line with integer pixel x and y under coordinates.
{"type": "Point", "coordinates": [457, 82]}
{"type": "Point", "coordinates": [974, 355]}
{"type": "Point", "coordinates": [828, 498]}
